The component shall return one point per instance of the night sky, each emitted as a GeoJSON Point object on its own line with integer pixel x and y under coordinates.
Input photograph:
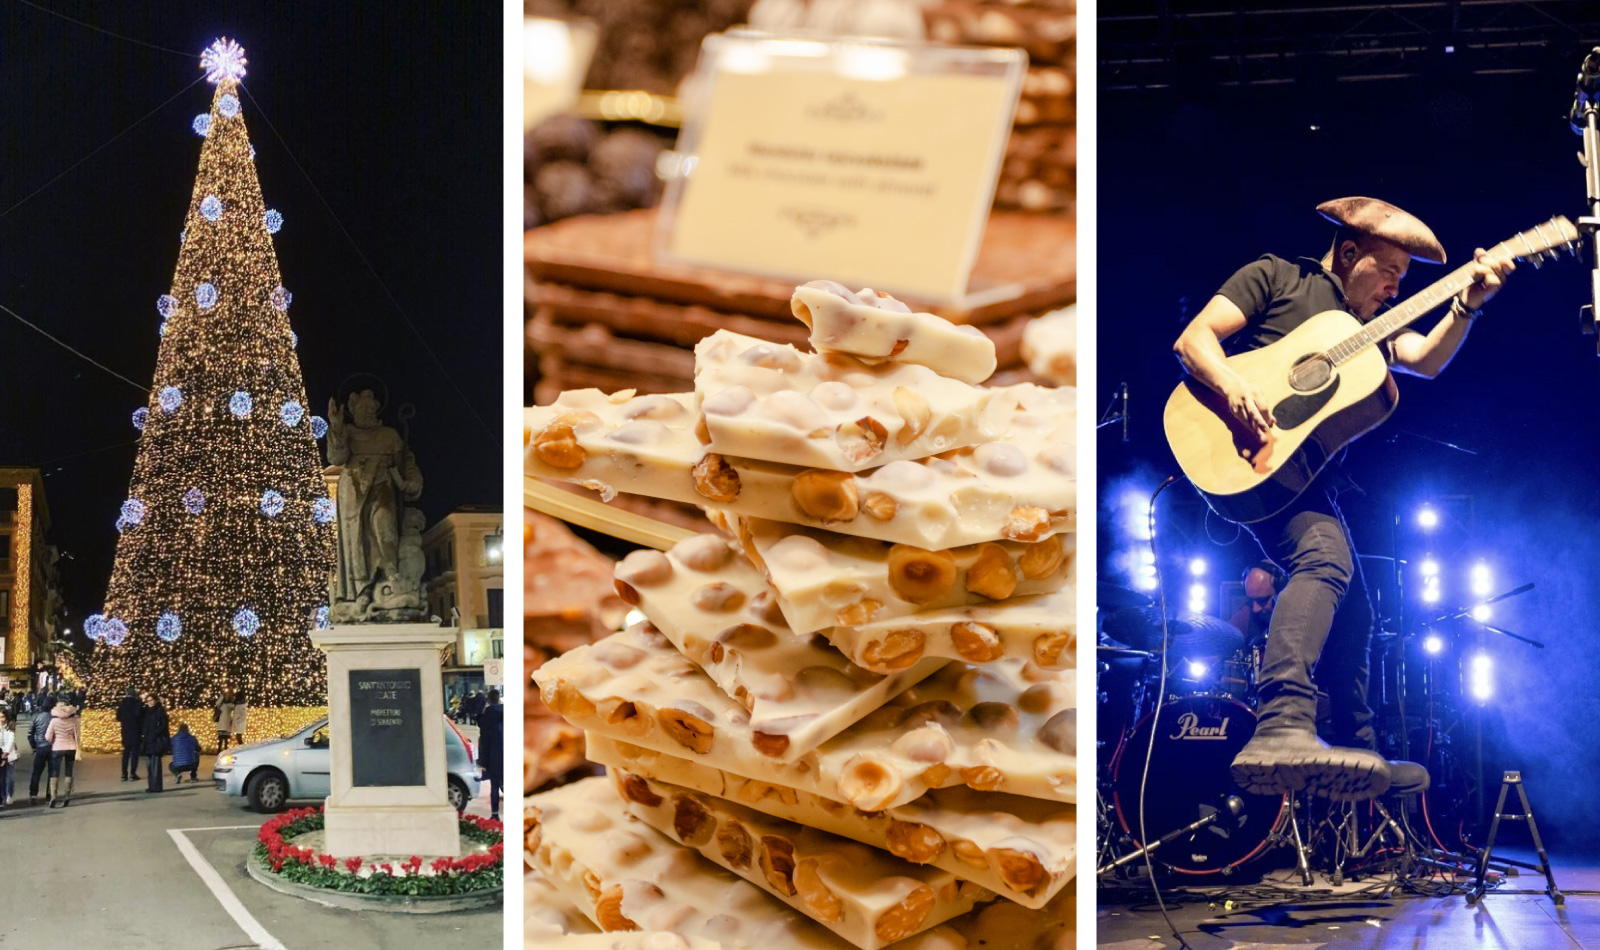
{"type": "Point", "coordinates": [1195, 183]}
{"type": "Point", "coordinates": [393, 110]}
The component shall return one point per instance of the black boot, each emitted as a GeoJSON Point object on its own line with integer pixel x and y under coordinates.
{"type": "Point", "coordinates": [1407, 778]}
{"type": "Point", "coordinates": [1286, 761]}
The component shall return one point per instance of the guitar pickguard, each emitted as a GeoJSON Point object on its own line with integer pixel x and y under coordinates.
{"type": "Point", "coordinates": [1293, 411]}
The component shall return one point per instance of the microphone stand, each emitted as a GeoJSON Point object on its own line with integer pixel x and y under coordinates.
{"type": "Point", "coordinates": [1585, 120]}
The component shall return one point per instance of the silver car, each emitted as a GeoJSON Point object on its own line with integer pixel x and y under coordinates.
{"type": "Point", "coordinates": [272, 773]}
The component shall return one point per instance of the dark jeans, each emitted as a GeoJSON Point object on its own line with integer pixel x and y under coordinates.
{"type": "Point", "coordinates": [41, 765]}
{"type": "Point", "coordinates": [222, 741]}
{"type": "Point", "coordinates": [1321, 628]}
{"type": "Point", "coordinates": [153, 774]}
{"type": "Point", "coordinates": [61, 767]}
{"type": "Point", "coordinates": [130, 762]}
{"type": "Point", "coordinates": [192, 768]}
{"type": "Point", "coordinates": [494, 793]}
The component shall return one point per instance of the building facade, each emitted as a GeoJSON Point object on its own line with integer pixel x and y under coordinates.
{"type": "Point", "coordinates": [465, 588]}
{"type": "Point", "coordinates": [30, 591]}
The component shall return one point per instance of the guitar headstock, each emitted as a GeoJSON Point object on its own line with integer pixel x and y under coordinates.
{"type": "Point", "coordinates": [1543, 242]}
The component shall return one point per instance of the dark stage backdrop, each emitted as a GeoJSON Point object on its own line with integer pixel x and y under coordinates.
{"type": "Point", "coordinates": [1194, 185]}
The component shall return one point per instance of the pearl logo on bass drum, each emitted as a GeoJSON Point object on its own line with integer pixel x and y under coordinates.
{"type": "Point", "coordinates": [1189, 728]}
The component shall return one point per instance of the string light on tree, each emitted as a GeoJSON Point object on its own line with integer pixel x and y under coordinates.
{"type": "Point", "coordinates": [319, 427]}
{"type": "Point", "coordinates": [133, 511]}
{"type": "Point", "coordinates": [274, 221]}
{"type": "Point", "coordinates": [324, 510]}
{"type": "Point", "coordinates": [166, 305]}
{"type": "Point", "coordinates": [228, 553]}
{"type": "Point", "coordinates": [141, 415]}
{"type": "Point", "coordinates": [201, 124]}
{"type": "Point", "coordinates": [114, 632]}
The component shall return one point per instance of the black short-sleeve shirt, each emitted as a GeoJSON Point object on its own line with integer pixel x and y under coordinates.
{"type": "Point", "coordinates": [1278, 295]}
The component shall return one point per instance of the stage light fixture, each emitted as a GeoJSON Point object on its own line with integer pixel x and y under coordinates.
{"type": "Point", "coordinates": [1430, 567]}
{"type": "Point", "coordinates": [1482, 580]}
{"type": "Point", "coordinates": [1433, 644]}
{"type": "Point", "coordinates": [1197, 567]}
{"type": "Point", "coordinates": [1197, 592]}
{"type": "Point", "coordinates": [1430, 595]}
{"type": "Point", "coordinates": [1482, 613]}
{"type": "Point", "coordinates": [1428, 518]}
{"type": "Point", "coordinates": [1147, 556]}
{"type": "Point", "coordinates": [1147, 570]}
{"type": "Point", "coordinates": [1196, 669]}
{"type": "Point", "coordinates": [1146, 581]}
{"type": "Point", "coordinates": [1480, 679]}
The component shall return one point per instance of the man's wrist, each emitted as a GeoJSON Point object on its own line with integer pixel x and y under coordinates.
{"type": "Point", "coordinates": [1460, 310]}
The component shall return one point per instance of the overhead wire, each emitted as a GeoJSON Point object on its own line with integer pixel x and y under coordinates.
{"type": "Point", "coordinates": [102, 147]}
{"type": "Point", "coordinates": [98, 29]}
{"type": "Point", "coordinates": [69, 348]}
{"type": "Point", "coordinates": [393, 300]}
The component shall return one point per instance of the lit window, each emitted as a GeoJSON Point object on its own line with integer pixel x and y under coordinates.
{"type": "Point", "coordinates": [493, 548]}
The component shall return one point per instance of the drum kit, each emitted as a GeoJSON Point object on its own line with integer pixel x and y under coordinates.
{"type": "Point", "coordinates": [1165, 745]}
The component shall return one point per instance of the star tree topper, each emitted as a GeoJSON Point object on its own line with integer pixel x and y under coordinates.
{"type": "Point", "coordinates": [223, 60]}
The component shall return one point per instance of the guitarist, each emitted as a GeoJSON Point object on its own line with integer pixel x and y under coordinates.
{"type": "Point", "coordinates": [1323, 620]}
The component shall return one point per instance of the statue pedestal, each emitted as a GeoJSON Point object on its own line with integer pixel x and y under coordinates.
{"type": "Point", "coordinates": [386, 741]}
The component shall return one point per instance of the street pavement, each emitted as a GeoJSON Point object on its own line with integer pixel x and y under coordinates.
{"type": "Point", "coordinates": [107, 871]}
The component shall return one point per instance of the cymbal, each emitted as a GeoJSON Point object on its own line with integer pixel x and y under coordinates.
{"type": "Point", "coordinates": [1192, 634]}
{"type": "Point", "coordinates": [1111, 597]}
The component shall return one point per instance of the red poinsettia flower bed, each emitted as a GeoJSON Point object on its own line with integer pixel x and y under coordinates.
{"type": "Point", "coordinates": [415, 876]}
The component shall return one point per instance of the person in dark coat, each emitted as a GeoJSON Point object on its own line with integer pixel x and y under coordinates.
{"type": "Point", "coordinates": [156, 742]}
{"type": "Point", "coordinates": [185, 755]}
{"type": "Point", "coordinates": [130, 716]}
{"type": "Point", "coordinates": [491, 748]}
{"type": "Point", "coordinates": [41, 755]}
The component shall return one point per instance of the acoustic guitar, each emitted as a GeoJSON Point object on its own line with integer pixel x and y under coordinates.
{"type": "Point", "coordinates": [1327, 383]}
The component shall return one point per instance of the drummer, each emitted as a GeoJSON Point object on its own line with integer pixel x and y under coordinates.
{"type": "Point", "coordinates": [1262, 581]}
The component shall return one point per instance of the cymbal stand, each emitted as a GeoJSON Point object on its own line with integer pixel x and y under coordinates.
{"type": "Point", "coordinates": [1346, 834]}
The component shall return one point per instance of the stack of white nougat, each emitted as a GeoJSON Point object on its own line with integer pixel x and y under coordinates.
{"type": "Point", "coordinates": [848, 717]}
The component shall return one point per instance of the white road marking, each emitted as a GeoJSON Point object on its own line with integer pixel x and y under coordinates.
{"type": "Point", "coordinates": [219, 888]}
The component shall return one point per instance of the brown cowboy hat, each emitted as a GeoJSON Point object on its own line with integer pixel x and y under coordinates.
{"type": "Point", "coordinates": [1383, 220]}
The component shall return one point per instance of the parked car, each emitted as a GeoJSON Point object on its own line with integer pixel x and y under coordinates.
{"type": "Point", "coordinates": [271, 774]}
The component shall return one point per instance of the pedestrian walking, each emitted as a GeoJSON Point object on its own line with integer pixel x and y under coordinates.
{"type": "Point", "coordinates": [223, 715]}
{"type": "Point", "coordinates": [62, 734]}
{"type": "Point", "coordinates": [130, 716]}
{"type": "Point", "coordinates": [491, 748]}
{"type": "Point", "coordinates": [240, 712]}
{"type": "Point", "coordinates": [185, 755]}
{"type": "Point", "coordinates": [157, 742]}
{"type": "Point", "coordinates": [8, 758]}
{"type": "Point", "coordinates": [37, 726]}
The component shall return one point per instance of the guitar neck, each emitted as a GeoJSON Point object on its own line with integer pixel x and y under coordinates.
{"type": "Point", "coordinates": [1415, 307]}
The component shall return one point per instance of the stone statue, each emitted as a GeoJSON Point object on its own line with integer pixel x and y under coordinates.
{"type": "Point", "coordinates": [373, 581]}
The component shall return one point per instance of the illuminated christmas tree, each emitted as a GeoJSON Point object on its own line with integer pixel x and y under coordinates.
{"type": "Point", "coordinates": [227, 531]}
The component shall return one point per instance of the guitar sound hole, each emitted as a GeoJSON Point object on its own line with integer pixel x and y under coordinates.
{"type": "Point", "coordinates": [1311, 373]}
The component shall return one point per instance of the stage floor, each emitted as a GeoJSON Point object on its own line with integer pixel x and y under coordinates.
{"type": "Point", "coordinates": [1356, 915]}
